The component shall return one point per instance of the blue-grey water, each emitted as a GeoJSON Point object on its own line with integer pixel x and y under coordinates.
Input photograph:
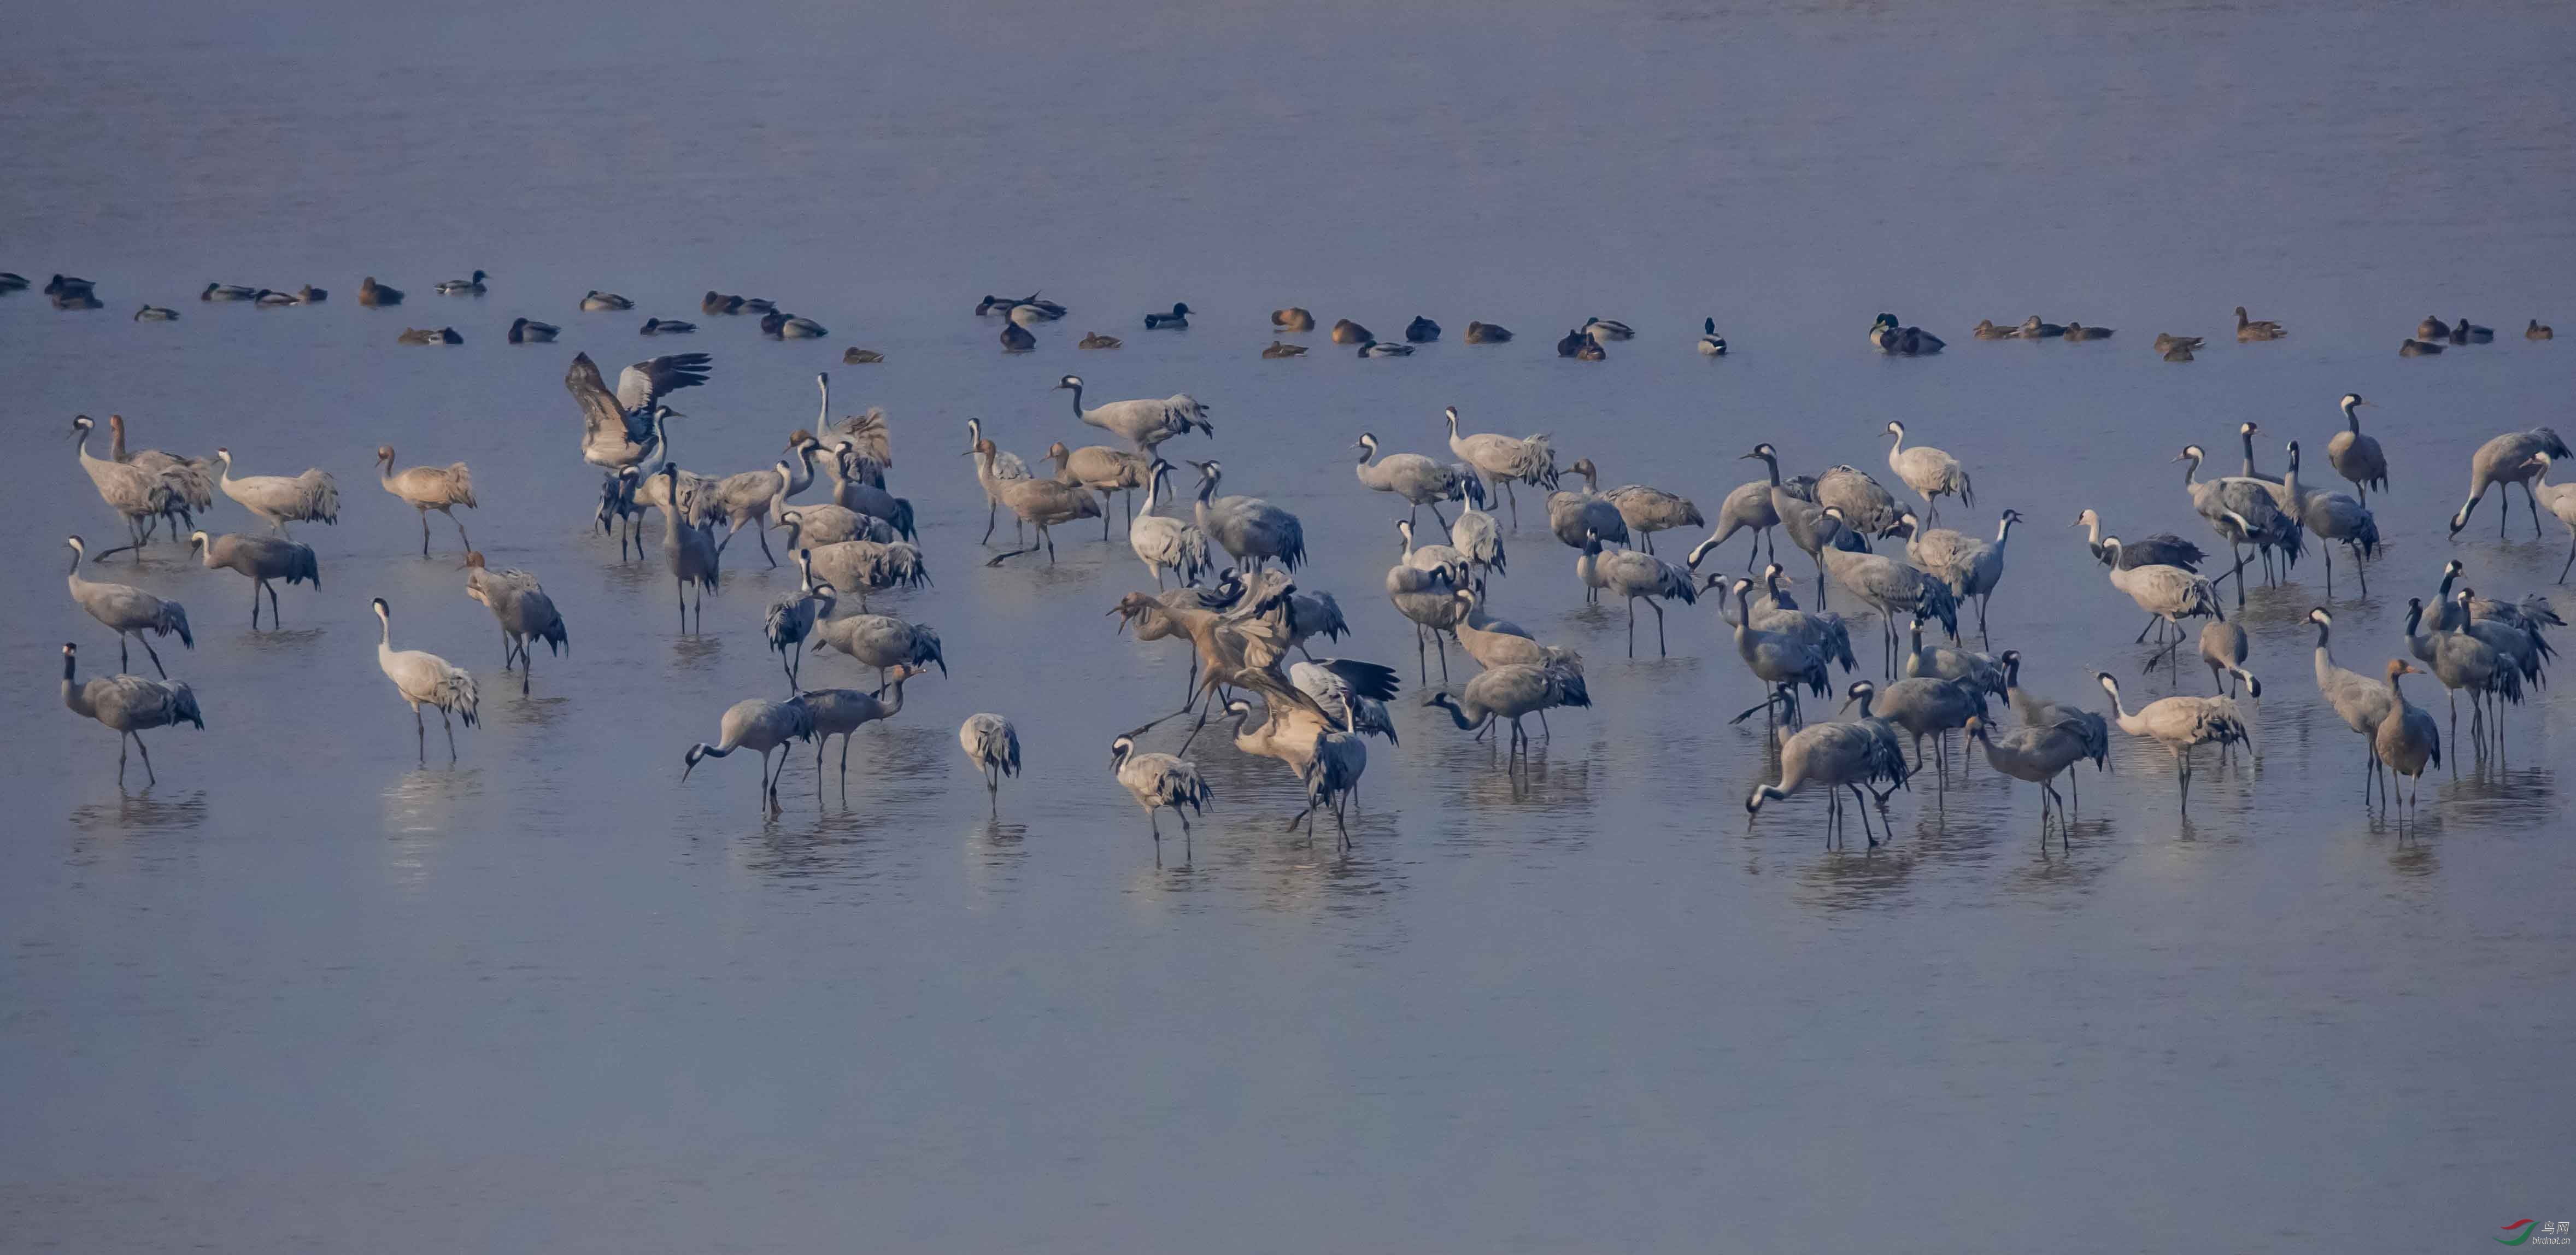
{"type": "Point", "coordinates": [306, 995]}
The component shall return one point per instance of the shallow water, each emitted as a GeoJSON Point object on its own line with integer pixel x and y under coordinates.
{"type": "Point", "coordinates": [305, 993]}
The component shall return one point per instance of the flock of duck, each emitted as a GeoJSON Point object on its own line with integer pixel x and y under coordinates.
{"type": "Point", "coordinates": [1226, 591]}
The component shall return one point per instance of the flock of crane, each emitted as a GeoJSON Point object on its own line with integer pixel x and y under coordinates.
{"type": "Point", "coordinates": [1225, 584]}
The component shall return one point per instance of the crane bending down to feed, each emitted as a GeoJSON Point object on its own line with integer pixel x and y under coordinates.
{"type": "Point", "coordinates": [521, 607]}
{"type": "Point", "coordinates": [427, 488]}
{"type": "Point", "coordinates": [1837, 756]}
{"type": "Point", "coordinates": [2180, 724]}
{"type": "Point", "coordinates": [1514, 692]}
{"type": "Point", "coordinates": [426, 678]}
{"type": "Point", "coordinates": [130, 611]}
{"type": "Point", "coordinates": [129, 704]}
{"type": "Point", "coordinates": [2035, 754]}
{"type": "Point", "coordinates": [2510, 459]}
{"type": "Point", "coordinates": [760, 726]}
{"type": "Point", "coordinates": [993, 746]}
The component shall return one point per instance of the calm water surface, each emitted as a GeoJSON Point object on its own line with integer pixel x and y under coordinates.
{"type": "Point", "coordinates": [303, 995]}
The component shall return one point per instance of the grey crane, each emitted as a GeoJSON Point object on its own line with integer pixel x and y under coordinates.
{"type": "Point", "coordinates": [2406, 741]}
{"type": "Point", "coordinates": [1930, 472]}
{"type": "Point", "coordinates": [1254, 531]}
{"type": "Point", "coordinates": [2180, 724]}
{"type": "Point", "coordinates": [755, 497]}
{"type": "Point", "coordinates": [1862, 693]}
{"type": "Point", "coordinates": [869, 566]}
{"type": "Point", "coordinates": [2039, 712]}
{"type": "Point", "coordinates": [1446, 559]}
{"type": "Point", "coordinates": [138, 495]}
{"type": "Point", "coordinates": [1868, 507]}
{"type": "Point", "coordinates": [520, 604]}
{"type": "Point", "coordinates": [2223, 646]}
{"type": "Point", "coordinates": [1103, 470]}
{"type": "Point", "coordinates": [312, 497]}
{"type": "Point", "coordinates": [1006, 467]}
{"type": "Point", "coordinates": [190, 480]}
{"type": "Point", "coordinates": [2509, 459]}
{"type": "Point", "coordinates": [1782, 660]}
{"type": "Point", "coordinates": [1577, 516]}
{"type": "Point", "coordinates": [1042, 503]}
{"type": "Point", "coordinates": [2037, 755]}
{"type": "Point", "coordinates": [1434, 606]}
{"type": "Point", "coordinates": [1514, 692]}
{"type": "Point", "coordinates": [2334, 517]}
{"type": "Point", "coordinates": [690, 548]}
{"type": "Point", "coordinates": [1629, 574]}
{"type": "Point", "coordinates": [2242, 511]}
{"type": "Point", "coordinates": [261, 559]}
{"type": "Point", "coordinates": [1417, 478]}
{"type": "Point", "coordinates": [882, 641]}
{"type": "Point", "coordinates": [1928, 706]}
{"type": "Point", "coordinates": [1332, 776]}
{"type": "Point", "coordinates": [823, 523]}
{"type": "Point", "coordinates": [130, 611]}
{"type": "Point", "coordinates": [791, 619]}
{"type": "Point", "coordinates": [2560, 501]}
{"type": "Point", "coordinates": [129, 704]}
{"type": "Point", "coordinates": [1163, 543]}
{"type": "Point", "coordinates": [858, 483]}
{"type": "Point", "coordinates": [760, 726]}
{"type": "Point", "coordinates": [1968, 566]}
{"type": "Point", "coordinates": [1146, 422]}
{"type": "Point", "coordinates": [422, 678]}
{"type": "Point", "coordinates": [1502, 461]}
{"type": "Point", "coordinates": [1747, 508]}
{"type": "Point", "coordinates": [2169, 594]}
{"type": "Point", "coordinates": [1647, 510]}
{"type": "Point", "coordinates": [1888, 586]}
{"type": "Point", "coordinates": [840, 712]}
{"type": "Point", "coordinates": [2355, 456]}
{"type": "Point", "coordinates": [2153, 549]}
{"type": "Point", "coordinates": [1476, 535]}
{"type": "Point", "coordinates": [993, 746]}
{"type": "Point", "coordinates": [2462, 660]}
{"type": "Point", "coordinates": [1944, 662]}
{"type": "Point", "coordinates": [2361, 702]}
{"type": "Point", "coordinates": [1159, 781]}
{"type": "Point", "coordinates": [1836, 756]}
{"type": "Point", "coordinates": [427, 488]}
{"type": "Point", "coordinates": [619, 512]}
{"type": "Point", "coordinates": [1774, 610]}
{"type": "Point", "coordinates": [623, 428]}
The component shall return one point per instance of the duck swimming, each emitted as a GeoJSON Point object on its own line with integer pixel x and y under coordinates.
{"type": "Point", "coordinates": [1711, 344]}
{"type": "Point", "coordinates": [1487, 333]}
{"type": "Point", "coordinates": [463, 287]}
{"type": "Point", "coordinates": [1179, 317]}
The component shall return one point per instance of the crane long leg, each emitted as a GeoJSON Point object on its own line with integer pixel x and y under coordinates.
{"type": "Point", "coordinates": [1658, 608]}
{"type": "Point", "coordinates": [146, 751]}
{"type": "Point", "coordinates": [420, 732]}
{"type": "Point", "coordinates": [120, 758]}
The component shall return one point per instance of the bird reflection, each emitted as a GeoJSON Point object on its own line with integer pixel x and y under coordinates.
{"type": "Point", "coordinates": [141, 814]}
